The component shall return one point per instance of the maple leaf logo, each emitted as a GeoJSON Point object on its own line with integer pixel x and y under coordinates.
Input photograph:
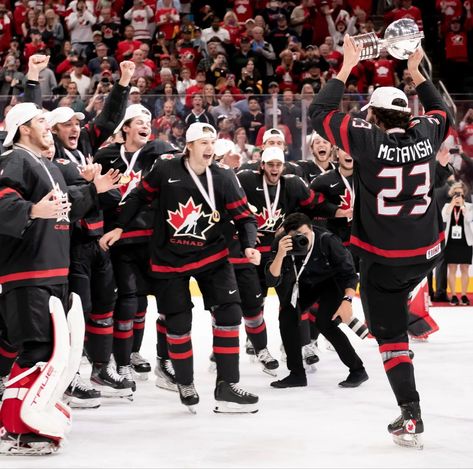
{"type": "Point", "coordinates": [264, 220]}
{"type": "Point", "coordinates": [126, 188]}
{"type": "Point", "coordinates": [188, 219]}
{"type": "Point", "coordinates": [346, 201]}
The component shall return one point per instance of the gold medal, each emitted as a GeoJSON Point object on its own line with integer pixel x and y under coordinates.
{"type": "Point", "coordinates": [216, 216]}
{"type": "Point", "coordinates": [125, 179]}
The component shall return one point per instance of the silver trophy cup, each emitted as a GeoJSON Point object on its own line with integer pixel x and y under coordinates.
{"type": "Point", "coordinates": [401, 39]}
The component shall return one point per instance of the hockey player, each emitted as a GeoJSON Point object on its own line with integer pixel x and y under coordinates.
{"type": "Point", "coordinates": [322, 152]}
{"type": "Point", "coordinates": [130, 256]}
{"type": "Point", "coordinates": [35, 209]}
{"type": "Point", "coordinates": [395, 158]}
{"type": "Point", "coordinates": [91, 273]}
{"type": "Point", "coordinates": [272, 196]}
{"type": "Point", "coordinates": [192, 196]}
{"type": "Point", "coordinates": [252, 299]}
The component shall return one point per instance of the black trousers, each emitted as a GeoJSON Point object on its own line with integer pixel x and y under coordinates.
{"type": "Point", "coordinates": [384, 291]}
{"type": "Point", "coordinates": [329, 296]}
{"type": "Point", "coordinates": [26, 321]}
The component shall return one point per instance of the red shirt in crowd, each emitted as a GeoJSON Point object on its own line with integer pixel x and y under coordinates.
{"type": "Point", "coordinates": [456, 46]}
{"type": "Point", "coordinates": [447, 10]}
{"type": "Point", "coordinates": [383, 72]}
{"type": "Point", "coordinates": [243, 9]}
{"type": "Point", "coordinates": [126, 46]}
{"type": "Point", "coordinates": [169, 26]}
{"type": "Point", "coordinates": [412, 12]}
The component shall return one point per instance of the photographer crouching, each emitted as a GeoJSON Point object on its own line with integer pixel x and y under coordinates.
{"type": "Point", "coordinates": [312, 265]}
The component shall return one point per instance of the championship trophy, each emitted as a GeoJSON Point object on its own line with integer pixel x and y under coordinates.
{"type": "Point", "coordinates": [401, 39]}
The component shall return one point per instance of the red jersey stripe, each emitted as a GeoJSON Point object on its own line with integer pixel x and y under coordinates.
{"type": "Point", "coordinates": [34, 274]}
{"type": "Point", "coordinates": [236, 204]}
{"type": "Point", "coordinates": [191, 265]}
{"type": "Point", "coordinates": [327, 128]}
{"type": "Point", "coordinates": [136, 234]}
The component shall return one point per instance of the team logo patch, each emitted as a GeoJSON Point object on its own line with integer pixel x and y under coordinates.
{"type": "Point", "coordinates": [346, 201]}
{"type": "Point", "coordinates": [190, 220]}
{"type": "Point", "coordinates": [128, 183]}
{"type": "Point", "coordinates": [62, 161]}
{"type": "Point", "coordinates": [266, 221]}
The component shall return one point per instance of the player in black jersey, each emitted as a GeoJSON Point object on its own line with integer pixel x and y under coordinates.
{"type": "Point", "coordinates": [397, 228]}
{"type": "Point", "coordinates": [191, 197]}
{"type": "Point", "coordinates": [130, 256]}
{"type": "Point", "coordinates": [322, 152]}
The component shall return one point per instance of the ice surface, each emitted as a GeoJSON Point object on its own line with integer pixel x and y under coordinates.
{"type": "Point", "coordinates": [318, 426]}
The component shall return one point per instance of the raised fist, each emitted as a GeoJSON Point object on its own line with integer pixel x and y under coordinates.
{"type": "Point", "coordinates": [127, 68]}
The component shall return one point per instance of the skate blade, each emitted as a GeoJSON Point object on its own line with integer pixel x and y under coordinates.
{"type": "Point", "coordinates": [140, 376]}
{"type": "Point", "coordinates": [12, 448]}
{"type": "Point", "coordinates": [74, 403]}
{"type": "Point", "coordinates": [269, 372]}
{"type": "Point", "coordinates": [409, 441]}
{"type": "Point", "coordinates": [109, 392]}
{"type": "Point", "coordinates": [224, 407]}
{"type": "Point", "coordinates": [165, 385]}
{"type": "Point", "coordinates": [192, 409]}
{"type": "Point", "coordinates": [310, 368]}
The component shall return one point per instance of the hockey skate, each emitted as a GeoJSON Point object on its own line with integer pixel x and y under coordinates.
{"type": "Point", "coordinates": [126, 373]}
{"type": "Point", "coordinates": [110, 383]}
{"type": "Point", "coordinates": [408, 427]}
{"type": "Point", "coordinates": [269, 363]}
{"type": "Point", "coordinates": [26, 444]}
{"type": "Point", "coordinates": [189, 396]}
{"type": "Point", "coordinates": [80, 395]}
{"type": "Point", "coordinates": [213, 363]}
{"type": "Point", "coordinates": [231, 399]}
{"type": "Point", "coordinates": [139, 366]}
{"type": "Point", "coordinates": [164, 372]}
{"type": "Point", "coordinates": [310, 357]}
{"type": "Point", "coordinates": [249, 349]}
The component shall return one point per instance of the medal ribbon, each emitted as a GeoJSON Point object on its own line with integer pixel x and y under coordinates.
{"type": "Point", "coordinates": [208, 196]}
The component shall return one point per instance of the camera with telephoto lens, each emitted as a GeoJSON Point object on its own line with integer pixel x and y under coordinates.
{"type": "Point", "coordinates": [356, 326]}
{"type": "Point", "coordinates": [300, 245]}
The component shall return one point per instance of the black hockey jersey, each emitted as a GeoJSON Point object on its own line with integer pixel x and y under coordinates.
{"type": "Point", "coordinates": [395, 219]}
{"type": "Point", "coordinates": [311, 170]}
{"type": "Point", "coordinates": [140, 228]}
{"type": "Point", "coordinates": [290, 167]}
{"type": "Point", "coordinates": [34, 252]}
{"type": "Point", "coordinates": [187, 239]}
{"type": "Point", "coordinates": [337, 196]}
{"type": "Point", "coordinates": [295, 195]}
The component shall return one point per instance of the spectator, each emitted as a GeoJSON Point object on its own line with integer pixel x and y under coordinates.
{"type": "Point", "coordinates": [47, 82]}
{"type": "Point", "coordinates": [210, 98]}
{"type": "Point", "coordinates": [197, 88]}
{"type": "Point", "coordinates": [72, 99]}
{"type": "Point", "coordinates": [177, 135]}
{"type": "Point", "coordinates": [29, 23]}
{"type": "Point", "coordinates": [313, 76]}
{"type": "Point", "coordinates": [339, 29]}
{"type": "Point", "coordinates": [35, 45]}
{"type": "Point", "coordinates": [252, 120]}
{"type": "Point", "coordinates": [458, 216]}
{"type": "Point", "coordinates": [466, 133]}
{"type": "Point", "coordinates": [167, 19]}
{"type": "Point", "coordinates": [109, 28]}
{"type": "Point", "coordinates": [169, 95]}
{"type": "Point", "coordinates": [291, 115]}
{"type": "Point", "coordinates": [141, 70]}
{"type": "Point", "coordinates": [217, 69]}
{"type": "Point", "coordinates": [244, 10]}
{"type": "Point", "coordinates": [242, 146]}
{"type": "Point", "coordinates": [138, 16]}
{"type": "Point", "coordinates": [383, 70]}
{"type": "Point", "coordinates": [301, 20]}
{"type": "Point", "coordinates": [54, 26]}
{"type": "Point", "coordinates": [101, 50]}
{"type": "Point", "coordinates": [279, 36]}
{"type": "Point", "coordinates": [126, 47]}
{"type": "Point", "coordinates": [198, 113]}
{"type": "Point", "coordinates": [230, 23]}
{"type": "Point", "coordinates": [11, 81]}
{"type": "Point", "coordinates": [165, 119]}
{"type": "Point", "coordinates": [406, 10]}
{"type": "Point", "coordinates": [61, 89]}
{"type": "Point", "coordinates": [227, 108]}
{"type": "Point", "coordinates": [78, 77]}
{"type": "Point", "coordinates": [187, 53]}
{"type": "Point", "coordinates": [273, 12]}
{"type": "Point", "coordinates": [144, 47]}
{"type": "Point", "coordinates": [215, 30]}
{"type": "Point", "coordinates": [184, 83]}
{"type": "Point", "coordinates": [80, 23]}
{"type": "Point", "coordinates": [241, 57]}
{"type": "Point", "coordinates": [250, 77]}
{"type": "Point", "coordinates": [264, 50]}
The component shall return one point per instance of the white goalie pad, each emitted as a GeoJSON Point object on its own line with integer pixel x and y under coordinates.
{"type": "Point", "coordinates": [42, 409]}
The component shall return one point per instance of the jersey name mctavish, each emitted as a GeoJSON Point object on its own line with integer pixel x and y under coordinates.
{"type": "Point", "coordinates": [405, 154]}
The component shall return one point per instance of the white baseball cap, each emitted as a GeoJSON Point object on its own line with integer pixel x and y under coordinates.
{"type": "Point", "coordinates": [273, 132]}
{"type": "Point", "coordinates": [223, 146]}
{"type": "Point", "coordinates": [18, 115]}
{"type": "Point", "coordinates": [63, 114]}
{"type": "Point", "coordinates": [134, 89]}
{"type": "Point", "coordinates": [199, 130]}
{"type": "Point", "coordinates": [383, 98]}
{"type": "Point", "coordinates": [132, 111]}
{"type": "Point", "coordinates": [272, 154]}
